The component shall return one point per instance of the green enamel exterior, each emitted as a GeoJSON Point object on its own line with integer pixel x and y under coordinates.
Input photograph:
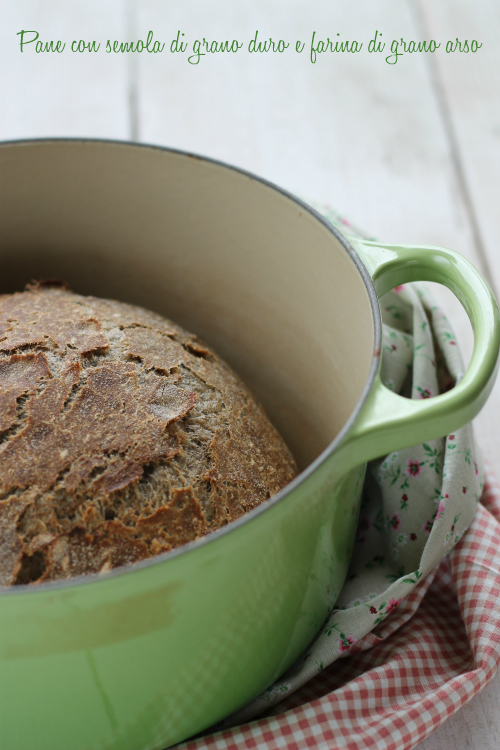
{"type": "Point", "coordinates": [144, 658]}
{"type": "Point", "coordinates": [389, 421]}
{"type": "Point", "coordinates": [151, 656]}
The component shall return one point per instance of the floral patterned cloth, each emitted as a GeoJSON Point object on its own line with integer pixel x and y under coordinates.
{"type": "Point", "coordinates": [417, 503]}
{"type": "Point", "coordinates": [411, 674]}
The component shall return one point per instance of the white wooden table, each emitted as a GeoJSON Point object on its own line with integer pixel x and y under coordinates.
{"type": "Point", "coordinates": [409, 151]}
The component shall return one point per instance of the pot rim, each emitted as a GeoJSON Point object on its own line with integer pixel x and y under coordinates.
{"type": "Point", "coordinates": [304, 475]}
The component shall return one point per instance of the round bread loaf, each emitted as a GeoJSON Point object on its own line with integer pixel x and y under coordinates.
{"type": "Point", "coordinates": [122, 436]}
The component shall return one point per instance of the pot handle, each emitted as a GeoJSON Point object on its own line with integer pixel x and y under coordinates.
{"type": "Point", "coordinates": [389, 422]}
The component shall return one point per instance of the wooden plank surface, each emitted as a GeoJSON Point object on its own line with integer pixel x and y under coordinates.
{"type": "Point", "coordinates": [372, 140]}
{"type": "Point", "coordinates": [364, 136]}
{"type": "Point", "coordinates": [410, 152]}
{"type": "Point", "coordinates": [469, 86]}
{"type": "Point", "coordinates": [48, 94]}
{"type": "Point", "coordinates": [467, 89]}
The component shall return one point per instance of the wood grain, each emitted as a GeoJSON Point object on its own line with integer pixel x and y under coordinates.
{"type": "Point", "coordinates": [467, 89]}
{"type": "Point", "coordinates": [469, 86]}
{"type": "Point", "coordinates": [367, 137]}
{"type": "Point", "coordinates": [68, 94]}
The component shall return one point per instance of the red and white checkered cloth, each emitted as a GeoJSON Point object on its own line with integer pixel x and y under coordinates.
{"type": "Point", "coordinates": [427, 659]}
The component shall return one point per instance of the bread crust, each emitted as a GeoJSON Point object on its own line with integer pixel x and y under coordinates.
{"type": "Point", "coordinates": [122, 436]}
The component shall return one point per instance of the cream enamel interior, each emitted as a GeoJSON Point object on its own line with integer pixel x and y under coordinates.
{"type": "Point", "coordinates": [218, 251]}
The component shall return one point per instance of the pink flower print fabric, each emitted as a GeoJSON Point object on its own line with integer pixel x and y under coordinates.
{"type": "Point", "coordinates": [417, 503]}
{"type": "Point", "coordinates": [412, 468]}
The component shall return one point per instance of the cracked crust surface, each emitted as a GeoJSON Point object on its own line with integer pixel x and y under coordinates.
{"type": "Point", "coordinates": [121, 436]}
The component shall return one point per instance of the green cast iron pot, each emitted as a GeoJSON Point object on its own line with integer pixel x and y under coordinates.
{"type": "Point", "coordinates": [146, 656]}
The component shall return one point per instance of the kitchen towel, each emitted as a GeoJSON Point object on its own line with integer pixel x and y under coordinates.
{"type": "Point", "coordinates": [414, 634]}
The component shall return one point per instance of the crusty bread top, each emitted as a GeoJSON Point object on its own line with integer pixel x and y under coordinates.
{"type": "Point", "coordinates": [121, 436]}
